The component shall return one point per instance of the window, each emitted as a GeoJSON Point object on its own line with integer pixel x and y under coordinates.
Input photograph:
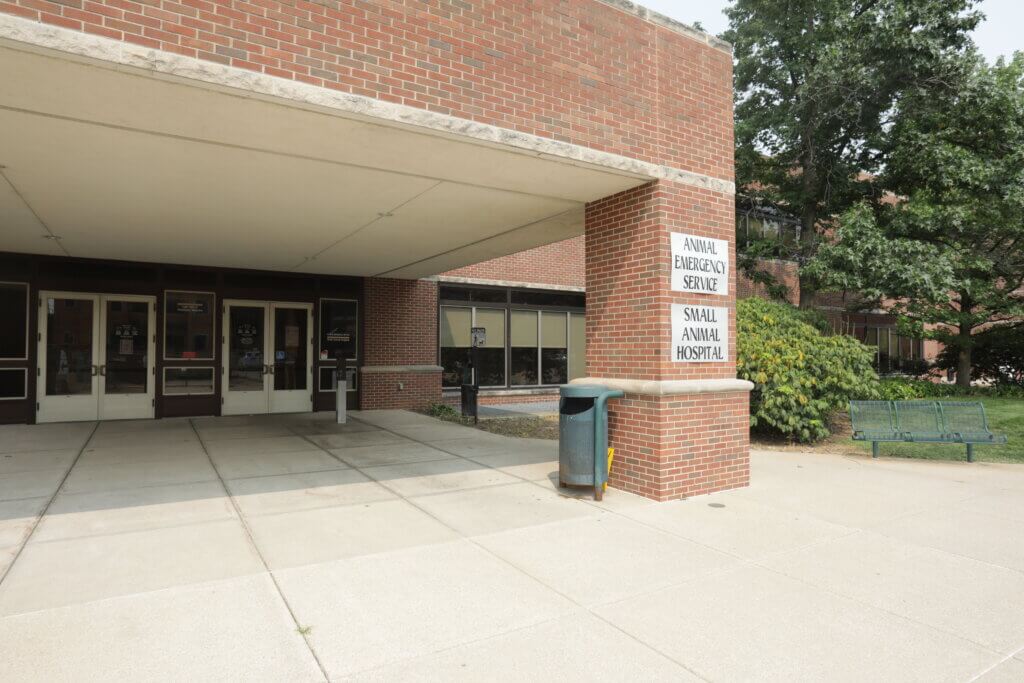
{"type": "Point", "coordinates": [189, 325]}
{"type": "Point", "coordinates": [339, 329]}
{"type": "Point", "coordinates": [554, 348]}
{"type": "Point", "coordinates": [577, 346]}
{"type": "Point", "coordinates": [537, 338]}
{"type": "Point", "coordinates": [13, 384]}
{"type": "Point", "coordinates": [768, 226]}
{"type": "Point", "coordinates": [477, 295]}
{"type": "Point", "coordinates": [455, 343]}
{"type": "Point", "coordinates": [188, 381]}
{"type": "Point", "coordinates": [491, 356]}
{"type": "Point", "coordinates": [559, 299]}
{"type": "Point", "coordinates": [14, 314]}
{"type": "Point", "coordinates": [524, 348]}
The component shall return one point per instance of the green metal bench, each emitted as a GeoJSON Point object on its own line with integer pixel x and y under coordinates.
{"type": "Point", "coordinates": [922, 421]}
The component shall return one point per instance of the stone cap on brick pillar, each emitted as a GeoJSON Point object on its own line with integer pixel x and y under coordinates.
{"type": "Point", "coordinates": [670, 387]}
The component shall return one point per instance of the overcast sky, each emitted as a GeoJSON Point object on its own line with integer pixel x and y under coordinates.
{"type": "Point", "coordinates": [1000, 34]}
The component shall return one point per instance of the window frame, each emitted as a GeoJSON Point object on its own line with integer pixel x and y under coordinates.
{"type": "Point", "coordinates": [28, 319]}
{"type": "Point", "coordinates": [213, 330]}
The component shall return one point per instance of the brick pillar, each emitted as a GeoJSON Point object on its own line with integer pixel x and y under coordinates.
{"type": "Point", "coordinates": [683, 427]}
{"type": "Point", "coordinates": [400, 369]}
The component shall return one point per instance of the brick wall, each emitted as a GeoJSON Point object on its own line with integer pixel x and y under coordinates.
{"type": "Point", "coordinates": [400, 328]}
{"type": "Point", "coordinates": [560, 264]}
{"type": "Point", "coordinates": [786, 273]}
{"type": "Point", "coordinates": [628, 272]}
{"type": "Point", "coordinates": [667, 446]}
{"type": "Point", "coordinates": [678, 446]}
{"type": "Point", "coordinates": [579, 71]}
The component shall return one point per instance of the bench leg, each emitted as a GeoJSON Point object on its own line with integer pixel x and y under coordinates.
{"type": "Point", "coordinates": [970, 452]}
{"type": "Point", "coordinates": [874, 449]}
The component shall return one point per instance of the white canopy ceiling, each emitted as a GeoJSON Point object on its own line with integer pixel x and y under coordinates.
{"type": "Point", "coordinates": [108, 162]}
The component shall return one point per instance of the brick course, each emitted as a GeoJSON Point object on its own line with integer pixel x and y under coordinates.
{"type": "Point", "coordinates": [400, 329]}
{"type": "Point", "coordinates": [560, 265]}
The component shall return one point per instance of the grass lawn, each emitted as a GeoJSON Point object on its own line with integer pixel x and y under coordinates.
{"type": "Point", "coordinates": [1005, 416]}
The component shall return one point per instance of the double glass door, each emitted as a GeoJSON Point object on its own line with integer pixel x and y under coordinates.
{"type": "Point", "coordinates": [96, 354]}
{"type": "Point", "coordinates": [268, 349]}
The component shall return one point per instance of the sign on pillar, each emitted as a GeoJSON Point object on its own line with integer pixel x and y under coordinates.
{"type": "Point", "coordinates": [700, 265]}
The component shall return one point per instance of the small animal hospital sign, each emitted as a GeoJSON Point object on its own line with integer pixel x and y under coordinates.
{"type": "Point", "coordinates": [700, 334]}
{"type": "Point", "coordinates": [699, 264]}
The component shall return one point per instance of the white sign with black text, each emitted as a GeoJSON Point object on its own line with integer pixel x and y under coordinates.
{"type": "Point", "coordinates": [700, 334]}
{"type": "Point", "coordinates": [699, 264]}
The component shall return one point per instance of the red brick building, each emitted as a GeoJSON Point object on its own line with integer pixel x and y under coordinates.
{"type": "Point", "coordinates": [206, 203]}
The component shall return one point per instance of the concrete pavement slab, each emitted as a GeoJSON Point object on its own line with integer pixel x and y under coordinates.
{"type": "Point", "coordinates": [570, 648]}
{"type": "Point", "coordinates": [382, 418]}
{"type": "Point", "coordinates": [44, 437]}
{"type": "Point", "coordinates": [530, 465]}
{"type": "Point", "coordinates": [320, 535]}
{"type": "Point", "coordinates": [250, 446]}
{"type": "Point", "coordinates": [304, 491]}
{"type": "Point", "coordinates": [372, 611]}
{"type": "Point", "coordinates": [309, 428]}
{"type": "Point", "coordinates": [754, 624]}
{"type": "Point", "coordinates": [356, 439]}
{"type": "Point", "coordinates": [269, 463]}
{"type": "Point", "coordinates": [93, 477]}
{"type": "Point", "coordinates": [28, 461]}
{"type": "Point", "coordinates": [213, 433]}
{"type": "Point", "coordinates": [74, 515]}
{"type": "Point", "coordinates": [1009, 671]}
{"type": "Point", "coordinates": [500, 508]}
{"type": "Point", "coordinates": [142, 439]}
{"type": "Point", "coordinates": [112, 455]}
{"type": "Point", "coordinates": [737, 526]}
{"type": "Point", "coordinates": [17, 518]}
{"type": "Point", "coordinates": [389, 454]}
{"type": "Point", "coordinates": [58, 573]}
{"type": "Point", "coordinates": [603, 558]}
{"type": "Point", "coordinates": [483, 444]}
{"type": "Point", "coordinates": [435, 432]}
{"type": "Point", "coordinates": [438, 476]}
{"type": "Point", "coordinates": [959, 532]}
{"type": "Point", "coordinates": [31, 484]}
{"type": "Point", "coordinates": [236, 629]}
{"type": "Point", "coordinates": [905, 579]}
{"type": "Point", "coordinates": [147, 426]}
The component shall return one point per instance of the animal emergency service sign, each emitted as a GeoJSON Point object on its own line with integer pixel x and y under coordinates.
{"type": "Point", "coordinates": [699, 264]}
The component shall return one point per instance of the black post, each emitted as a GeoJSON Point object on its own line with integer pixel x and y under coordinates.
{"type": "Point", "coordinates": [476, 385]}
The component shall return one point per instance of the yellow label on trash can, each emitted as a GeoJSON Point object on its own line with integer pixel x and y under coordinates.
{"type": "Point", "coordinates": [611, 456]}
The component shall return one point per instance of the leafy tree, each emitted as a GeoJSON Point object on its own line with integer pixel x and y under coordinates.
{"type": "Point", "coordinates": [948, 250]}
{"type": "Point", "coordinates": [816, 83]}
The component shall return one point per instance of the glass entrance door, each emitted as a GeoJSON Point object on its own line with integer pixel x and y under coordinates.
{"type": "Point", "coordinates": [96, 357]}
{"type": "Point", "coordinates": [126, 366]}
{"type": "Point", "coordinates": [267, 350]}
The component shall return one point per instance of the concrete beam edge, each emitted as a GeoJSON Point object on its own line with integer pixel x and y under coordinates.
{"type": "Point", "coordinates": [677, 387]}
{"type": "Point", "coordinates": [28, 32]}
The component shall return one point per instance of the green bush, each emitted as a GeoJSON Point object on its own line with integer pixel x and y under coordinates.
{"type": "Point", "coordinates": [902, 389]}
{"type": "Point", "coordinates": [801, 374]}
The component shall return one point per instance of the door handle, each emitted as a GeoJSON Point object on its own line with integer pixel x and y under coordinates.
{"type": "Point", "coordinates": [95, 370]}
{"type": "Point", "coordinates": [265, 371]}
{"type": "Point", "coordinates": [271, 369]}
{"type": "Point", "coordinates": [103, 371]}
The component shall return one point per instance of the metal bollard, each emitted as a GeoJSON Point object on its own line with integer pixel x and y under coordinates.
{"type": "Point", "coordinates": [341, 393]}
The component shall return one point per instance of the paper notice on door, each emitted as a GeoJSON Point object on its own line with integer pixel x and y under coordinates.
{"type": "Point", "coordinates": [291, 335]}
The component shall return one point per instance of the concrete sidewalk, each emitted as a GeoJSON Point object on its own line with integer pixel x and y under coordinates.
{"type": "Point", "coordinates": [398, 547]}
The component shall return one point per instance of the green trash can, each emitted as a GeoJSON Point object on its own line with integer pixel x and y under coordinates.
{"type": "Point", "coordinates": [583, 436]}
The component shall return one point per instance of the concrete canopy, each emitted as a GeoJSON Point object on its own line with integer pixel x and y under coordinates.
{"type": "Point", "coordinates": [100, 160]}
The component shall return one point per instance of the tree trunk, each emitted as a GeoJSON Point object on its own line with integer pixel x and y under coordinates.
{"type": "Point", "coordinates": [963, 367]}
